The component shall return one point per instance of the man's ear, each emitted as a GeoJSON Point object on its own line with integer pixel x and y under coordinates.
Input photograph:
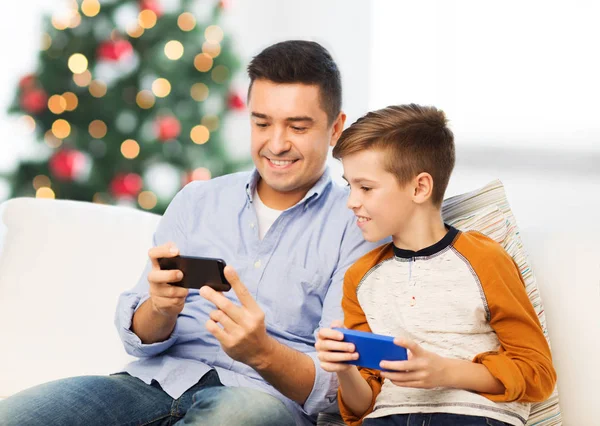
{"type": "Point", "coordinates": [422, 187]}
{"type": "Point", "coordinates": [337, 128]}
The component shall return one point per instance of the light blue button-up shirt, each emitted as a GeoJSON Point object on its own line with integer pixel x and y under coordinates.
{"type": "Point", "coordinates": [295, 274]}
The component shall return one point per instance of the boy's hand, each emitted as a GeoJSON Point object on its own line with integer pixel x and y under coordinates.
{"type": "Point", "coordinates": [332, 351]}
{"type": "Point", "coordinates": [423, 369]}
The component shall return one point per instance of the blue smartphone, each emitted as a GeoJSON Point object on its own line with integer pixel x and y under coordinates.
{"type": "Point", "coordinates": [373, 348]}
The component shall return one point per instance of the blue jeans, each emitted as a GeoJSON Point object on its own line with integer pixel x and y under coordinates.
{"type": "Point", "coordinates": [123, 400]}
{"type": "Point", "coordinates": [432, 419]}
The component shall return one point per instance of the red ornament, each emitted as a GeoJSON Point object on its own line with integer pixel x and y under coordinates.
{"type": "Point", "coordinates": [114, 50]}
{"type": "Point", "coordinates": [126, 185]}
{"type": "Point", "coordinates": [153, 5]}
{"type": "Point", "coordinates": [224, 4]}
{"type": "Point", "coordinates": [27, 82]}
{"type": "Point", "coordinates": [167, 128]}
{"type": "Point", "coordinates": [67, 164]}
{"type": "Point", "coordinates": [34, 101]}
{"type": "Point", "coordinates": [236, 102]}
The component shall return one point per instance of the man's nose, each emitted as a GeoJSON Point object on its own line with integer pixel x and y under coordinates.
{"type": "Point", "coordinates": [279, 144]}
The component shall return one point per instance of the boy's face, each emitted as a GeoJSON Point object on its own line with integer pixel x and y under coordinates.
{"type": "Point", "coordinates": [290, 135]}
{"type": "Point", "coordinates": [381, 205]}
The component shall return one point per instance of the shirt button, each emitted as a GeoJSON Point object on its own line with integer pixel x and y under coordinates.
{"type": "Point", "coordinates": [257, 264]}
{"type": "Point", "coordinates": [252, 225]}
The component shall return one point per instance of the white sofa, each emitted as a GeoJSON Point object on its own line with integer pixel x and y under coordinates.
{"type": "Point", "coordinates": [64, 263]}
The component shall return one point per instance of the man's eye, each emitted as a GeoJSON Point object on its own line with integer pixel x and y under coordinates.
{"type": "Point", "coordinates": [299, 129]}
{"type": "Point", "coordinates": [261, 124]}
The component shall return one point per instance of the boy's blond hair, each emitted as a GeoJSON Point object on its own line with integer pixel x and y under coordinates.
{"type": "Point", "coordinates": [414, 138]}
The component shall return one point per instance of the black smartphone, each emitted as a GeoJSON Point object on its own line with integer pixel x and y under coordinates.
{"type": "Point", "coordinates": [197, 271]}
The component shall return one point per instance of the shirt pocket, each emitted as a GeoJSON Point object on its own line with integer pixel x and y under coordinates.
{"type": "Point", "coordinates": [297, 300]}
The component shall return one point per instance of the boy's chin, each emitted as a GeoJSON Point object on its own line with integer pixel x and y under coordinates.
{"type": "Point", "coordinates": [371, 238]}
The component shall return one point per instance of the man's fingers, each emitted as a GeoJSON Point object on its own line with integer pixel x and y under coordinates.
{"type": "Point", "coordinates": [222, 318]}
{"type": "Point", "coordinates": [240, 289]}
{"type": "Point", "coordinates": [224, 304]}
{"type": "Point", "coordinates": [214, 329]}
{"type": "Point", "coordinates": [166, 250]}
{"type": "Point", "coordinates": [159, 276]}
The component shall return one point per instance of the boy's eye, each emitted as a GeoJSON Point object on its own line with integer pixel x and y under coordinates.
{"type": "Point", "coordinates": [364, 188]}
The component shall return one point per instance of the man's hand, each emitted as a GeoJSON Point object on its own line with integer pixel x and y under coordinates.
{"type": "Point", "coordinates": [332, 351]}
{"type": "Point", "coordinates": [166, 299]}
{"type": "Point", "coordinates": [423, 369]}
{"type": "Point", "coordinates": [241, 329]}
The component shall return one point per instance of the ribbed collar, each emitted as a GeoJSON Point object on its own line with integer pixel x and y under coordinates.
{"type": "Point", "coordinates": [431, 250]}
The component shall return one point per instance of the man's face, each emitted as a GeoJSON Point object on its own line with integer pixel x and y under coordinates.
{"type": "Point", "coordinates": [382, 207]}
{"type": "Point", "coordinates": [290, 135]}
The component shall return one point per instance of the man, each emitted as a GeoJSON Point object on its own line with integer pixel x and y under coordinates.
{"type": "Point", "coordinates": [246, 356]}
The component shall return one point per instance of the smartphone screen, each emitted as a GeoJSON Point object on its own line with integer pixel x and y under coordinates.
{"type": "Point", "coordinates": [197, 271]}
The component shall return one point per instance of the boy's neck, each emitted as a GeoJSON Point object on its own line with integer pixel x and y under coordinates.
{"type": "Point", "coordinates": [424, 229]}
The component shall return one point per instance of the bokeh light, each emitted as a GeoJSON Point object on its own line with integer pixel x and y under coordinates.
{"type": "Point", "coordinates": [186, 21]}
{"type": "Point", "coordinates": [174, 50]}
{"type": "Point", "coordinates": [61, 129]}
{"type": "Point", "coordinates": [51, 140]}
{"type": "Point", "coordinates": [46, 41]}
{"type": "Point", "coordinates": [200, 134]}
{"type": "Point", "coordinates": [71, 99]}
{"type": "Point", "coordinates": [45, 192]}
{"type": "Point", "coordinates": [199, 92]}
{"type": "Point", "coordinates": [57, 104]}
{"type": "Point", "coordinates": [213, 34]}
{"type": "Point", "coordinates": [211, 49]}
{"type": "Point", "coordinates": [147, 19]}
{"type": "Point", "coordinates": [28, 122]}
{"type": "Point", "coordinates": [161, 87]}
{"type": "Point", "coordinates": [97, 89]}
{"type": "Point", "coordinates": [98, 129]}
{"type": "Point", "coordinates": [130, 149]}
{"type": "Point", "coordinates": [147, 200]}
{"type": "Point", "coordinates": [78, 63]}
{"type": "Point", "coordinates": [83, 79]}
{"type": "Point", "coordinates": [203, 62]}
{"type": "Point", "coordinates": [145, 99]}
{"type": "Point", "coordinates": [211, 122]}
{"type": "Point", "coordinates": [90, 8]}
{"type": "Point", "coordinates": [40, 181]}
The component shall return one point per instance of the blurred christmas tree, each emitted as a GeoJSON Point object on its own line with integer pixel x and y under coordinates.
{"type": "Point", "coordinates": [128, 101]}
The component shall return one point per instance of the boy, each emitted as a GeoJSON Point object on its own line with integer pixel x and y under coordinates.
{"type": "Point", "coordinates": [455, 300]}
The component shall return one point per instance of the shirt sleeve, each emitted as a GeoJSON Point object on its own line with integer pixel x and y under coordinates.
{"type": "Point", "coordinates": [355, 319]}
{"type": "Point", "coordinates": [172, 227]}
{"type": "Point", "coordinates": [324, 393]}
{"type": "Point", "coordinates": [523, 362]}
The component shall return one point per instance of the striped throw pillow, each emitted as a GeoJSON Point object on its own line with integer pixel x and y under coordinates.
{"type": "Point", "coordinates": [487, 210]}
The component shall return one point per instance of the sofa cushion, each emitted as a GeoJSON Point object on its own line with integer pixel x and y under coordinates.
{"type": "Point", "coordinates": [487, 210]}
{"type": "Point", "coordinates": [63, 265]}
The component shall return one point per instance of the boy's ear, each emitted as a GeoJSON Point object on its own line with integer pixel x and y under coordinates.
{"type": "Point", "coordinates": [422, 187]}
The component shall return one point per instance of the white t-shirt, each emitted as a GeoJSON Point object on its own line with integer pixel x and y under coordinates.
{"type": "Point", "coordinates": [266, 216]}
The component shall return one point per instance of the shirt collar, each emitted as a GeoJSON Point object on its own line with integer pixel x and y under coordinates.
{"type": "Point", "coordinates": [317, 189]}
{"type": "Point", "coordinates": [447, 240]}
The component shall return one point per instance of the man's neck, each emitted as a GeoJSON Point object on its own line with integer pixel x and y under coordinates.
{"type": "Point", "coordinates": [424, 229]}
{"type": "Point", "coordinates": [279, 200]}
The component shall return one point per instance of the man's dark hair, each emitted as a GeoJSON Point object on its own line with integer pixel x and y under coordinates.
{"type": "Point", "coordinates": [305, 62]}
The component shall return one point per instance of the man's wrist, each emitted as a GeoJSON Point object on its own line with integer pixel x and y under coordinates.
{"type": "Point", "coordinates": [263, 359]}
